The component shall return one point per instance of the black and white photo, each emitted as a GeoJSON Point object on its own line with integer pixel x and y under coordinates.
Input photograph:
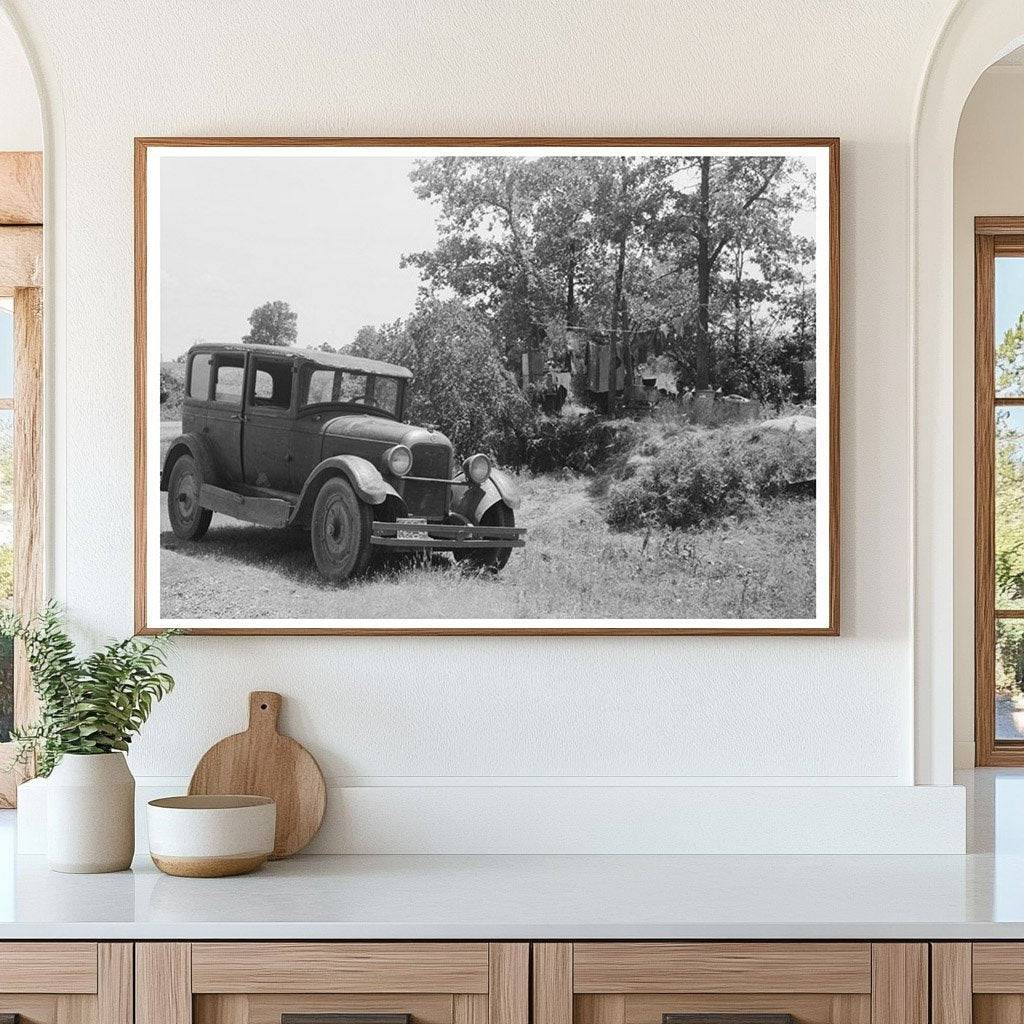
{"type": "Point", "coordinates": [438, 386]}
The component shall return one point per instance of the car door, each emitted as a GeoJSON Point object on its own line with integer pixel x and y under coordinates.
{"type": "Point", "coordinates": [223, 426]}
{"type": "Point", "coordinates": [268, 430]}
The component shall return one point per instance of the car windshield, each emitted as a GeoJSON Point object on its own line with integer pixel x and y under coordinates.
{"type": "Point", "coordinates": [322, 385]}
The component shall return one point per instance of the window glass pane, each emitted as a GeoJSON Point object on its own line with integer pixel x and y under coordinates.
{"type": "Point", "coordinates": [1009, 679]}
{"type": "Point", "coordinates": [1009, 486]}
{"type": "Point", "coordinates": [385, 395]}
{"type": "Point", "coordinates": [6, 567]}
{"type": "Point", "coordinates": [334, 386]}
{"type": "Point", "coordinates": [228, 382]}
{"type": "Point", "coordinates": [272, 384]}
{"type": "Point", "coordinates": [6, 350]}
{"type": "Point", "coordinates": [199, 382]}
{"type": "Point", "coordinates": [1009, 324]}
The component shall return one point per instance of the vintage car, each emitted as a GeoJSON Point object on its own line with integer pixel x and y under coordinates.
{"type": "Point", "coordinates": [290, 437]}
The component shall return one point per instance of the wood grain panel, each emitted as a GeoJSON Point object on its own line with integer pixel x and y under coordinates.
{"type": "Point", "coordinates": [807, 1009]}
{"type": "Point", "coordinates": [998, 1009]}
{"type": "Point", "coordinates": [48, 967]}
{"type": "Point", "coordinates": [998, 967]}
{"type": "Point", "coordinates": [163, 983]}
{"type": "Point", "coordinates": [21, 257]}
{"type": "Point", "coordinates": [226, 1009]}
{"type": "Point", "coordinates": [951, 983]}
{"type": "Point", "coordinates": [21, 188]}
{"type": "Point", "coordinates": [339, 967]}
{"type": "Point", "coordinates": [851, 1009]}
{"type": "Point", "coordinates": [115, 983]}
{"type": "Point", "coordinates": [508, 989]}
{"type": "Point", "coordinates": [599, 1009]}
{"type": "Point", "coordinates": [552, 983]}
{"type": "Point", "coordinates": [267, 1009]}
{"type": "Point", "coordinates": [469, 1008]}
{"type": "Point", "coordinates": [33, 1009]}
{"type": "Point", "coordinates": [899, 990]}
{"type": "Point", "coordinates": [634, 967]}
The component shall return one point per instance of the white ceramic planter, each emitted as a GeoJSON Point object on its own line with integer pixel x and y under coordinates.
{"type": "Point", "coordinates": [90, 814]}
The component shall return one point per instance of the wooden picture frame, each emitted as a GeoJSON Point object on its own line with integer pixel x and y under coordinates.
{"type": "Point", "coordinates": [826, 620]}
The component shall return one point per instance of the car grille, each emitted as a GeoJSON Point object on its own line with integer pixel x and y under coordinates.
{"type": "Point", "coordinates": [426, 498]}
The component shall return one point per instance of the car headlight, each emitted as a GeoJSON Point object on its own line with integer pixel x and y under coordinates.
{"type": "Point", "coordinates": [398, 459]}
{"type": "Point", "coordinates": [477, 468]}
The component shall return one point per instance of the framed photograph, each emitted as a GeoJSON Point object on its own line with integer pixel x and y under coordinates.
{"type": "Point", "coordinates": [487, 386]}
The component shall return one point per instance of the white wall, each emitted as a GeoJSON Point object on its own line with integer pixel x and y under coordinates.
{"type": "Point", "coordinates": [20, 122]}
{"type": "Point", "coordinates": [443, 713]}
{"type": "Point", "coordinates": [988, 181]}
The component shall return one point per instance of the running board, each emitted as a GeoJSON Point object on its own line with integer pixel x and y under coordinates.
{"type": "Point", "coordinates": [262, 511]}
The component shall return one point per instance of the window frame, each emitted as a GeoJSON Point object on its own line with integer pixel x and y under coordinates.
{"type": "Point", "coordinates": [993, 237]}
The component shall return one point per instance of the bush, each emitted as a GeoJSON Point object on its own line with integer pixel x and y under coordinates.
{"type": "Point", "coordinates": [582, 443]}
{"type": "Point", "coordinates": [702, 476]}
{"type": "Point", "coordinates": [460, 383]}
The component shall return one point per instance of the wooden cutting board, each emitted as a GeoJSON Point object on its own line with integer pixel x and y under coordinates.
{"type": "Point", "coordinates": [262, 762]}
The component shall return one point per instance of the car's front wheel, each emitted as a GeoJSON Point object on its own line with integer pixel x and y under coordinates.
{"type": "Point", "coordinates": [499, 514]}
{"type": "Point", "coordinates": [189, 520]}
{"type": "Point", "coordinates": [340, 531]}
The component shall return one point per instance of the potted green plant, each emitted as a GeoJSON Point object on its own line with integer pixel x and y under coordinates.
{"type": "Point", "coordinates": [89, 710]}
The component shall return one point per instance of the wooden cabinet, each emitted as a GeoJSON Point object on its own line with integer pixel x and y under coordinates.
{"type": "Point", "coordinates": [261, 982]}
{"type": "Point", "coordinates": [650, 982]}
{"type": "Point", "coordinates": [66, 982]}
{"type": "Point", "coordinates": [980, 982]}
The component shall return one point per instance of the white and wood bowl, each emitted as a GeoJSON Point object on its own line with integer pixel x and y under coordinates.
{"type": "Point", "coordinates": [211, 836]}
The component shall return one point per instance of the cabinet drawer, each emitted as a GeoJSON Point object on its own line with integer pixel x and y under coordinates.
{"type": "Point", "coordinates": [630, 967]}
{"type": "Point", "coordinates": [48, 967]}
{"type": "Point", "coordinates": [340, 967]}
{"type": "Point", "coordinates": [263, 982]}
{"type": "Point", "coordinates": [735, 982]}
{"type": "Point", "coordinates": [66, 982]}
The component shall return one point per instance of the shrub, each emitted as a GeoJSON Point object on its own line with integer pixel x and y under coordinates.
{"type": "Point", "coordinates": [701, 476]}
{"type": "Point", "coordinates": [582, 443]}
{"type": "Point", "coordinates": [460, 382]}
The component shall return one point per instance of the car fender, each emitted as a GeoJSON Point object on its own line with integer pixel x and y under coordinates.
{"type": "Point", "coordinates": [199, 449]}
{"type": "Point", "coordinates": [366, 480]}
{"type": "Point", "coordinates": [473, 500]}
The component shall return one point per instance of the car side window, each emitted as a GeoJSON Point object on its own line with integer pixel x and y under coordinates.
{"type": "Point", "coordinates": [272, 384]}
{"type": "Point", "coordinates": [229, 379]}
{"type": "Point", "coordinates": [319, 387]}
{"type": "Point", "coordinates": [199, 376]}
{"type": "Point", "coordinates": [323, 385]}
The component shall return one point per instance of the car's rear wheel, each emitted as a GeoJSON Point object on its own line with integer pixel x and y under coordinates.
{"type": "Point", "coordinates": [340, 531]}
{"type": "Point", "coordinates": [499, 514]}
{"type": "Point", "coordinates": [189, 520]}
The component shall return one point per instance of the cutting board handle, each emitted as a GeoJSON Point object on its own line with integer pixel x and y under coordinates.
{"type": "Point", "coordinates": [264, 710]}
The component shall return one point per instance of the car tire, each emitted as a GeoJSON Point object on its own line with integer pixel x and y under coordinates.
{"type": "Point", "coordinates": [499, 514]}
{"type": "Point", "coordinates": [340, 531]}
{"type": "Point", "coordinates": [189, 520]}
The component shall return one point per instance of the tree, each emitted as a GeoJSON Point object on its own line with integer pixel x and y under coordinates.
{"type": "Point", "coordinates": [273, 323]}
{"type": "Point", "coordinates": [460, 382]}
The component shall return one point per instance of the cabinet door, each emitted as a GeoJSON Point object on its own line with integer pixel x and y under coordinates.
{"type": "Point", "coordinates": [737, 982]}
{"type": "Point", "coordinates": [66, 982]}
{"type": "Point", "coordinates": [332, 983]}
{"type": "Point", "coordinates": [980, 982]}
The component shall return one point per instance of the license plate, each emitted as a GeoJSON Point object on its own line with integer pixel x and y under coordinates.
{"type": "Point", "coordinates": [410, 534]}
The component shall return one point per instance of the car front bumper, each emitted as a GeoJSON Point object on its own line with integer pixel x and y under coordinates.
{"type": "Point", "coordinates": [446, 537]}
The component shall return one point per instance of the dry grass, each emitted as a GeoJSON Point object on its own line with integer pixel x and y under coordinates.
{"type": "Point", "coordinates": [574, 566]}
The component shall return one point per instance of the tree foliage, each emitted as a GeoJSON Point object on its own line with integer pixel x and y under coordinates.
{"type": "Point", "coordinates": [273, 323]}
{"type": "Point", "coordinates": [703, 248]}
{"type": "Point", "coordinates": [90, 705]}
{"type": "Point", "coordinates": [460, 382]}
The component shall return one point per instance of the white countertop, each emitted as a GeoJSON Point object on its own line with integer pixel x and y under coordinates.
{"type": "Point", "coordinates": [978, 896]}
{"type": "Point", "coordinates": [532, 897]}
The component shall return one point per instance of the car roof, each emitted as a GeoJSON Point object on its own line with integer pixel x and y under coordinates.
{"type": "Point", "coordinates": [334, 360]}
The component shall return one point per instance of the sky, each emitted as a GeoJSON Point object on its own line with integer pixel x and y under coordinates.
{"type": "Point", "coordinates": [322, 230]}
{"type": "Point", "coordinates": [324, 234]}
{"type": "Point", "coordinates": [1009, 293]}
